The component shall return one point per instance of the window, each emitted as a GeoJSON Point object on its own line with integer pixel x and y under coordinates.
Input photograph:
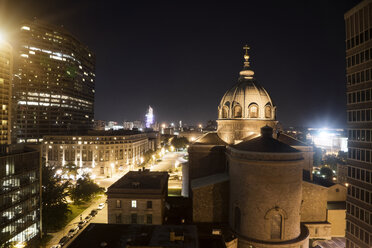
{"type": "Point", "coordinates": [118, 203]}
{"type": "Point", "coordinates": [134, 204]}
{"type": "Point", "coordinates": [267, 112]}
{"type": "Point", "coordinates": [149, 204]}
{"type": "Point", "coordinates": [237, 111]}
{"type": "Point", "coordinates": [133, 218]}
{"type": "Point", "coordinates": [118, 218]}
{"type": "Point", "coordinates": [149, 219]}
{"type": "Point", "coordinates": [276, 226]}
{"type": "Point", "coordinates": [253, 111]}
{"type": "Point", "coordinates": [224, 112]}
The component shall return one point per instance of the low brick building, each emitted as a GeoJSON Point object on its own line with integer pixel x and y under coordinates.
{"type": "Point", "coordinates": [138, 198]}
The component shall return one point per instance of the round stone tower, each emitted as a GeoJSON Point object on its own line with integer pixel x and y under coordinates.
{"type": "Point", "coordinates": [245, 108]}
{"type": "Point", "coordinates": [265, 193]}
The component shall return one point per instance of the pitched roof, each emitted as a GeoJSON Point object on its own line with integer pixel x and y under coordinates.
{"type": "Point", "coordinates": [210, 138]}
{"type": "Point", "coordinates": [282, 137]}
{"type": "Point", "coordinates": [264, 144]}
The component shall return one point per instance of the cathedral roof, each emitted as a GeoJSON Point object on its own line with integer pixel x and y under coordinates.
{"type": "Point", "coordinates": [210, 138]}
{"type": "Point", "coordinates": [282, 137]}
{"type": "Point", "coordinates": [246, 94]}
{"type": "Point", "coordinates": [265, 143]}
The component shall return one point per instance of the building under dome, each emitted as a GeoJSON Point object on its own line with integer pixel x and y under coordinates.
{"type": "Point", "coordinates": [245, 108]}
{"type": "Point", "coordinates": [257, 182]}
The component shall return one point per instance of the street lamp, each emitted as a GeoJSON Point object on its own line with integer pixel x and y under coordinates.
{"type": "Point", "coordinates": [112, 168]}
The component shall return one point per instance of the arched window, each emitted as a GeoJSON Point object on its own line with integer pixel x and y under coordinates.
{"type": "Point", "coordinates": [224, 112]}
{"type": "Point", "coordinates": [237, 219]}
{"type": "Point", "coordinates": [267, 111]}
{"type": "Point", "coordinates": [253, 111]}
{"type": "Point", "coordinates": [276, 226]}
{"type": "Point", "coordinates": [237, 111]}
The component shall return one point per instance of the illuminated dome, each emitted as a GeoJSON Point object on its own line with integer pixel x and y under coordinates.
{"type": "Point", "coordinates": [247, 99]}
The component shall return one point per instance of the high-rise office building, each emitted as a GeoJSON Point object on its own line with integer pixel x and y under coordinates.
{"type": "Point", "coordinates": [6, 66]}
{"type": "Point", "coordinates": [358, 22]}
{"type": "Point", "coordinates": [20, 195]}
{"type": "Point", "coordinates": [53, 83]}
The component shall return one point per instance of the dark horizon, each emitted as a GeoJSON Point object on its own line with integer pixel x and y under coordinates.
{"type": "Point", "coordinates": [181, 59]}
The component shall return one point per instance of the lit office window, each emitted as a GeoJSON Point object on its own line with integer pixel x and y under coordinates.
{"type": "Point", "coordinates": [134, 203]}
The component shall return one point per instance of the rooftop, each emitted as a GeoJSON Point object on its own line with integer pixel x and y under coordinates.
{"type": "Point", "coordinates": [265, 143]}
{"type": "Point", "coordinates": [285, 138]}
{"type": "Point", "coordinates": [210, 138]}
{"type": "Point", "coordinates": [120, 235]}
{"type": "Point", "coordinates": [140, 180]}
{"type": "Point", "coordinates": [209, 180]}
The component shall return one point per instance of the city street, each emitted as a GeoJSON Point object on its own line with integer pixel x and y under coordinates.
{"type": "Point", "coordinates": [168, 162]}
{"type": "Point", "coordinates": [101, 217]}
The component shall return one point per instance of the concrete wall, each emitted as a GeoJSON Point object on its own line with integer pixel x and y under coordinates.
{"type": "Point", "coordinates": [237, 130]}
{"type": "Point", "coordinates": [206, 160]}
{"type": "Point", "coordinates": [314, 203]}
{"type": "Point", "coordinates": [262, 185]}
{"type": "Point", "coordinates": [337, 218]}
{"type": "Point", "coordinates": [142, 211]}
{"type": "Point", "coordinates": [210, 203]}
{"type": "Point", "coordinates": [337, 192]}
{"type": "Point", "coordinates": [319, 230]}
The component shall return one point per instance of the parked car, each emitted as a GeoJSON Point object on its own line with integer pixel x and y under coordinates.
{"type": "Point", "coordinates": [88, 218]}
{"type": "Point", "coordinates": [101, 206]}
{"type": "Point", "coordinates": [56, 246]}
{"type": "Point", "coordinates": [63, 241]}
{"type": "Point", "coordinates": [93, 212]}
{"type": "Point", "coordinates": [73, 232]}
{"type": "Point", "coordinates": [81, 224]}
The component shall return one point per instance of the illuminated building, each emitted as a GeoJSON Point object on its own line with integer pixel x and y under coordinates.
{"type": "Point", "coordinates": [359, 120]}
{"type": "Point", "coordinates": [101, 153]}
{"type": "Point", "coordinates": [149, 117]}
{"type": "Point", "coordinates": [245, 108]}
{"type": "Point", "coordinates": [6, 66]}
{"type": "Point", "coordinates": [53, 83]}
{"type": "Point", "coordinates": [138, 198]}
{"type": "Point", "coordinates": [20, 194]}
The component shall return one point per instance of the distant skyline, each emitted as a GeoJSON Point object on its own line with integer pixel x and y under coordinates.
{"type": "Point", "coordinates": [182, 58]}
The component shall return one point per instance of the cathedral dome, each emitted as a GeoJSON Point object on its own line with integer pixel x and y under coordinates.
{"type": "Point", "coordinates": [247, 99]}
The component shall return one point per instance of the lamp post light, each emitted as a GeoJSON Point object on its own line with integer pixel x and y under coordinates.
{"type": "Point", "coordinates": [112, 168]}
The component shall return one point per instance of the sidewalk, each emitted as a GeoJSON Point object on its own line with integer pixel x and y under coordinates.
{"type": "Point", "coordinates": [105, 182]}
{"type": "Point", "coordinates": [58, 235]}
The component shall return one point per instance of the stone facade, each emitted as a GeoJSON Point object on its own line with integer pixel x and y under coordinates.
{"type": "Point", "coordinates": [210, 202]}
{"type": "Point", "coordinates": [337, 193]}
{"type": "Point", "coordinates": [236, 130]}
{"type": "Point", "coordinates": [314, 203]}
{"type": "Point", "coordinates": [206, 160]}
{"type": "Point", "coordinates": [102, 153]}
{"type": "Point", "coordinates": [138, 198]}
{"type": "Point", "coordinates": [123, 210]}
{"type": "Point", "coordinates": [264, 186]}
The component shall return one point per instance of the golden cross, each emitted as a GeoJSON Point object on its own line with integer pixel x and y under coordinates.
{"type": "Point", "coordinates": [246, 56]}
{"type": "Point", "coordinates": [246, 48]}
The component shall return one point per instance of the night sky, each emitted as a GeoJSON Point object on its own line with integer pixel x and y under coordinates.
{"type": "Point", "coordinates": [182, 58]}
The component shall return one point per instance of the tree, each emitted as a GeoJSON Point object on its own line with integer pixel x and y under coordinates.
{"type": "Point", "coordinates": [148, 155]}
{"type": "Point", "coordinates": [179, 143]}
{"type": "Point", "coordinates": [70, 169]}
{"type": "Point", "coordinates": [331, 161]}
{"type": "Point", "coordinates": [54, 206]}
{"type": "Point", "coordinates": [327, 172]}
{"type": "Point", "coordinates": [84, 190]}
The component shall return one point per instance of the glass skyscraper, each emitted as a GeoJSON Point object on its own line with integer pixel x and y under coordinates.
{"type": "Point", "coordinates": [53, 83]}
